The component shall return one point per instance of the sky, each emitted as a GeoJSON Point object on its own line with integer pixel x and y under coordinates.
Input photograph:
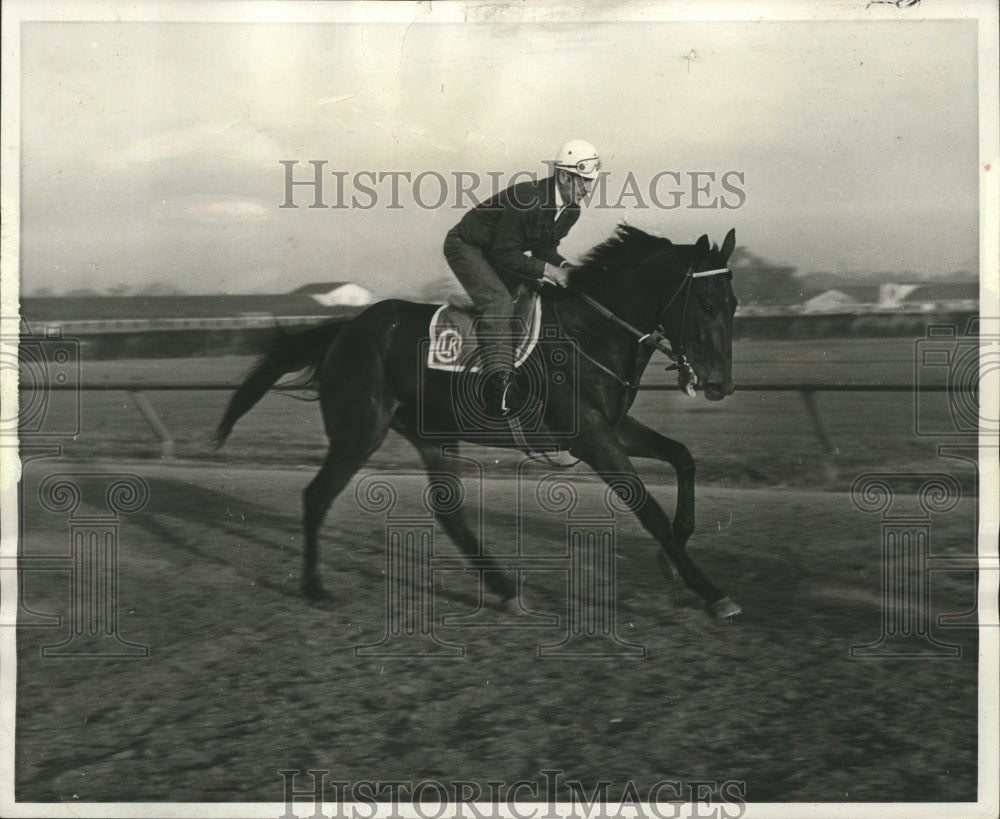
{"type": "Point", "coordinates": [151, 152]}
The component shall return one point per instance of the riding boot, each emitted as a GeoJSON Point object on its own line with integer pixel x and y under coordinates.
{"type": "Point", "coordinates": [501, 393]}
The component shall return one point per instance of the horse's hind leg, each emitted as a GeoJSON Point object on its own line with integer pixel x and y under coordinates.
{"type": "Point", "coordinates": [445, 473]}
{"type": "Point", "coordinates": [339, 466]}
{"type": "Point", "coordinates": [357, 421]}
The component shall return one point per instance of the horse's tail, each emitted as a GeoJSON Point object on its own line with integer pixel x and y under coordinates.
{"type": "Point", "coordinates": [289, 353]}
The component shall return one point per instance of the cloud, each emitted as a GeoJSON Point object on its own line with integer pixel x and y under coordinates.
{"type": "Point", "coordinates": [211, 209]}
{"type": "Point", "coordinates": [229, 140]}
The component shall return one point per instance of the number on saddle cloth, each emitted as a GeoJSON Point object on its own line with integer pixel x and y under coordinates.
{"type": "Point", "coordinates": [453, 340]}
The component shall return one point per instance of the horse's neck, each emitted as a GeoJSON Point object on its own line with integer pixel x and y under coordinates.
{"type": "Point", "coordinates": [634, 303]}
{"type": "Point", "coordinates": [606, 341]}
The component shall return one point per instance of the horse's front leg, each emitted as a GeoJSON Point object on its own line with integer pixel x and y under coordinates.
{"type": "Point", "coordinates": [642, 442]}
{"type": "Point", "coordinates": [600, 447]}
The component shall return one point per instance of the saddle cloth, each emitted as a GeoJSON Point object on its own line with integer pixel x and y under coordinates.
{"type": "Point", "coordinates": [453, 341]}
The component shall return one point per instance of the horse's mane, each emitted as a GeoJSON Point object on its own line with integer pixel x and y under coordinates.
{"type": "Point", "coordinates": [626, 246]}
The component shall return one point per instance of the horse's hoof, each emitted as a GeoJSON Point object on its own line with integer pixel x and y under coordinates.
{"type": "Point", "coordinates": [314, 590]}
{"type": "Point", "coordinates": [501, 584]}
{"type": "Point", "coordinates": [723, 608]}
{"type": "Point", "coordinates": [512, 607]}
{"type": "Point", "coordinates": [667, 568]}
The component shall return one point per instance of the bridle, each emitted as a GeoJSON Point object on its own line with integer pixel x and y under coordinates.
{"type": "Point", "coordinates": [655, 338]}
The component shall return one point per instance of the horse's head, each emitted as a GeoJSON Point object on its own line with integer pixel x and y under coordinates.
{"type": "Point", "coordinates": [682, 292]}
{"type": "Point", "coordinates": [705, 337]}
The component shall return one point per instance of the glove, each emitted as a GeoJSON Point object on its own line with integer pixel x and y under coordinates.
{"type": "Point", "coordinates": [559, 276]}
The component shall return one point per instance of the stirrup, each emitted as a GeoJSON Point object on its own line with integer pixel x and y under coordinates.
{"type": "Point", "coordinates": [511, 399]}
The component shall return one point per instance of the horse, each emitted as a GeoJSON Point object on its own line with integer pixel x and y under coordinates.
{"type": "Point", "coordinates": [631, 295]}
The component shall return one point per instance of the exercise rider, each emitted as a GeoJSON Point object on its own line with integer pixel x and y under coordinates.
{"type": "Point", "coordinates": [512, 238]}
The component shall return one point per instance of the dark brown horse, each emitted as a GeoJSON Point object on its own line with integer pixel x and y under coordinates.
{"type": "Point", "coordinates": [630, 296]}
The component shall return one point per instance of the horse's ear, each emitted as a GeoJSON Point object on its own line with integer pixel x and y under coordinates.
{"type": "Point", "coordinates": [702, 245]}
{"type": "Point", "coordinates": [729, 245]}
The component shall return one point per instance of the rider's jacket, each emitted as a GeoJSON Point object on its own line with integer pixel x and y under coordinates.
{"type": "Point", "coordinates": [518, 220]}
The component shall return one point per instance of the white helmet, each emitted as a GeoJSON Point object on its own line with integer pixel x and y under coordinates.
{"type": "Point", "coordinates": [580, 157]}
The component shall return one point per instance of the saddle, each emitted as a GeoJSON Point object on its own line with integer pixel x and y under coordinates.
{"type": "Point", "coordinates": [454, 342]}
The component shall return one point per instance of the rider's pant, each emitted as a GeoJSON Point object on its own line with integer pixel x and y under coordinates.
{"type": "Point", "coordinates": [493, 301]}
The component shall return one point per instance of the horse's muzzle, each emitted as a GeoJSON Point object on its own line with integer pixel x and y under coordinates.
{"type": "Point", "coordinates": [714, 391]}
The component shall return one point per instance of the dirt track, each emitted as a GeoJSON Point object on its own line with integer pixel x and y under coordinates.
{"type": "Point", "coordinates": [245, 677]}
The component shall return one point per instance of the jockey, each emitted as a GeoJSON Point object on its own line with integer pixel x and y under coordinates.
{"type": "Point", "coordinates": [487, 251]}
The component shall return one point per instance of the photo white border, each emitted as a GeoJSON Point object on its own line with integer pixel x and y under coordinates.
{"type": "Point", "coordinates": [985, 12]}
